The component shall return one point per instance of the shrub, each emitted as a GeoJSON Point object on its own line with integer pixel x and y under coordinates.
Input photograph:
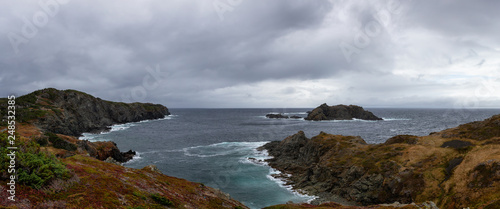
{"type": "Point", "coordinates": [42, 141]}
{"type": "Point", "coordinates": [140, 195]}
{"type": "Point", "coordinates": [34, 168]}
{"type": "Point", "coordinates": [60, 143]}
{"type": "Point", "coordinates": [161, 200]}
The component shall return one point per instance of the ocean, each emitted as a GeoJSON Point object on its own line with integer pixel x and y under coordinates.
{"type": "Point", "coordinates": [213, 146]}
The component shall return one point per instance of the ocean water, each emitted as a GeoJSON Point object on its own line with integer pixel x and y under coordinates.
{"type": "Point", "coordinates": [213, 146]}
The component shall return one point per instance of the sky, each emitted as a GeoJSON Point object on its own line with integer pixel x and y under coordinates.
{"type": "Point", "coordinates": [256, 53]}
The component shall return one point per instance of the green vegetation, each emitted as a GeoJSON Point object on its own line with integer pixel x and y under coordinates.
{"type": "Point", "coordinates": [140, 195]}
{"type": "Point", "coordinates": [60, 143]}
{"type": "Point", "coordinates": [42, 141]}
{"type": "Point", "coordinates": [27, 114]}
{"type": "Point", "coordinates": [34, 167]}
{"type": "Point", "coordinates": [161, 200]}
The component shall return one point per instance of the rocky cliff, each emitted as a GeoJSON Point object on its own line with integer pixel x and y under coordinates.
{"type": "Point", "coordinates": [72, 112]}
{"type": "Point", "coordinates": [455, 168]}
{"type": "Point", "coordinates": [340, 112]}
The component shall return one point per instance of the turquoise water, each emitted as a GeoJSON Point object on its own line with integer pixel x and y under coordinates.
{"type": "Point", "coordinates": [215, 146]}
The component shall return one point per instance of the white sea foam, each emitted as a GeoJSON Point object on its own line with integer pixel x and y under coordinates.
{"type": "Point", "coordinates": [354, 120]}
{"type": "Point", "coordinates": [87, 136]}
{"type": "Point", "coordinates": [273, 176]}
{"type": "Point", "coordinates": [137, 157]}
{"type": "Point", "coordinates": [288, 113]}
{"type": "Point", "coordinates": [118, 127]}
{"type": "Point", "coordinates": [256, 157]}
{"type": "Point", "coordinates": [221, 149]}
{"type": "Point", "coordinates": [391, 119]}
{"type": "Point", "coordinates": [298, 113]}
{"type": "Point", "coordinates": [167, 117]}
{"type": "Point", "coordinates": [260, 157]}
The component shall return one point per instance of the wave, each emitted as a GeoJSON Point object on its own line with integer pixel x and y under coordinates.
{"type": "Point", "coordinates": [288, 113]}
{"type": "Point", "coordinates": [280, 178]}
{"type": "Point", "coordinates": [167, 117]}
{"type": "Point", "coordinates": [259, 158]}
{"type": "Point", "coordinates": [354, 120]}
{"type": "Point", "coordinates": [256, 158]}
{"type": "Point", "coordinates": [221, 149]}
{"type": "Point", "coordinates": [137, 157]}
{"type": "Point", "coordinates": [392, 119]}
{"type": "Point", "coordinates": [119, 127]}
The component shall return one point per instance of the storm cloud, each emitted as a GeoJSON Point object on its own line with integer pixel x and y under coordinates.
{"type": "Point", "coordinates": [241, 53]}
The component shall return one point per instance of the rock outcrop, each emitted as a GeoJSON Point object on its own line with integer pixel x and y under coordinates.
{"type": "Point", "coordinates": [280, 116]}
{"type": "Point", "coordinates": [277, 116]}
{"type": "Point", "coordinates": [458, 170]}
{"type": "Point", "coordinates": [71, 112]}
{"type": "Point", "coordinates": [104, 150]}
{"type": "Point", "coordinates": [340, 112]}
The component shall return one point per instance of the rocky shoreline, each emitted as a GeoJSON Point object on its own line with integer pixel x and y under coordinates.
{"type": "Point", "coordinates": [448, 167]}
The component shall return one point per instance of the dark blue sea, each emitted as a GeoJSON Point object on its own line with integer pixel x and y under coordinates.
{"type": "Point", "coordinates": [212, 146]}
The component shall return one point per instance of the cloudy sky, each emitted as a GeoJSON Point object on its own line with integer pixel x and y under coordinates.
{"type": "Point", "coordinates": [256, 53]}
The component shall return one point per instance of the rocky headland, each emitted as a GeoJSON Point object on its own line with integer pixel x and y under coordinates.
{"type": "Point", "coordinates": [71, 112]}
{"type": "Point", "coordinates": [340, 112]}
{"type": "Point", "coordinates": [454, 168]}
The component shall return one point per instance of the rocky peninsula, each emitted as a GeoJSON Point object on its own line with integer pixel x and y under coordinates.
{"type": "Point", "coordinates": [454, 168]}
{"type": "Point", "coordinates": [71, 112]}
{"type": "Point", "coordinates": [340, 112]}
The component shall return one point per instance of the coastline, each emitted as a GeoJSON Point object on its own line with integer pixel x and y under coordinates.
{"type": "Point", "coordinates": [440, 167]}
{"type": "Point", "coordinates": [277, 176]}
{"type": "Point", "coordinates": [118, 127]}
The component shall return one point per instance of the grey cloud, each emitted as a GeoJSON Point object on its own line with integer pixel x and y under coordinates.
{"type": "Point", "coordinates": [104, 48]}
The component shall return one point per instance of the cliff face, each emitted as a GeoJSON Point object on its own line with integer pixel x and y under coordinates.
{"type": "Point", "coordinates": [72, 113]}
{"type": "Point", "coordinates": [340, 112]}
{"type": "Point", "coordinates": [448, 167]}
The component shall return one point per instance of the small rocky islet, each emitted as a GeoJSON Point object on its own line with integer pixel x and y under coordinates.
{"type": "Point", "coordinates": [337, 112]}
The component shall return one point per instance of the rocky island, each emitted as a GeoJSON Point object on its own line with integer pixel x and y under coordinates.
{"type": "Point", "coordinates": [340, 112]}
{"type": "Point", "coordinates": [454, 168]}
